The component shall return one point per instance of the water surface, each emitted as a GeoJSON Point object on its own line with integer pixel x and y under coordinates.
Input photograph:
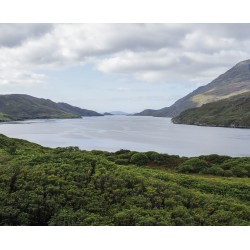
{"type": "Point", "coordinates": [112, 133]}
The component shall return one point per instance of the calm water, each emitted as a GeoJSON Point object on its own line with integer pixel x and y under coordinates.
{"type": "Point", "coordinates": [112, 133]}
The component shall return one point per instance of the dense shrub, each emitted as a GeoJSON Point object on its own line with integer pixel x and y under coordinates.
{"type": "Point", "coordinates": [216, 170]}
{"type": "Point", "coordinates": [214, 158]}
{"type": "Point", "coordinates": [43, 186]}
{"type": "Point", "coordinates": [239, 166]}
{"type": "Point", "coordinates": [169, 161]}
{"type": "Point", "coordinates": [122, 161]}
{"type": "Point", "coordinates": [12, 149]}
{"type": "Point", "coordinates": [151, 155]}
{"type": "Point", "coordinates": [122, 151]}
{"type": "Point", "coordinates": [193, 165]}
{"type": "Point", "coordinates": [139, 159]}
{"type": "Point", "coordinates": [228, 173]}
{"type": "Point", "coordinates": [239, 171]}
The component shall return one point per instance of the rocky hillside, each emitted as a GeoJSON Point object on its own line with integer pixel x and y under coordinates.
{"type": "Point", "coordinates": [234, 82]}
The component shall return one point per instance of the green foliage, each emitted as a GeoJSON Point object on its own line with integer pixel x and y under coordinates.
{"type": "Point", "coordinates": [230, 112]}
{"type": "Point", "coordinates": [68, 186]}
{"type": "Point", "coordinates": [216, 170]}
{"type": "Point", "coordinates": [239, 171]}
{"type": "Point", "coordinates": [215, 159]}
{"type": "Point", "coordinates": [122, 161]}
{"type": "Point", "coordinates": [193, 165]}
{"type": "Point", "coordinates": [216, 165]}
{"type": "Point", "coordinates": [122, 152]}
{"type": "Point", "coordinates": [12, 149]}
{"type": "Point", "coordinates": [139, 159]}
{"type": "Point", "coordinates": [4, 117]}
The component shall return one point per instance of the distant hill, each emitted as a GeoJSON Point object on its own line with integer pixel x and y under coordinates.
{"type": "Point", "coordinates": [21, 107]}
{"type": "Point", "coordinates": [230, 112]}
{"type": "Point", "coordinates": [76, 110]}
{"type": "Point", "coordinates": [106, 113]}
{"type": "Point", "coordinates": [234, 82]}
{"type": "Point", "coordinates": [118, 113]}
{"type": "Point", "coordinates": [147, 112]}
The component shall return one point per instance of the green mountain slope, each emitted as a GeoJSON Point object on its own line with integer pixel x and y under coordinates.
{"type": "Point", "coordinates": [21, 107]}
{"type": "Point", "coordinates": [230, 112]}
{"type": "Point", "coordinates": [68, 186]}
{"type": "Point", "coordinates": [76, 110]}
{"type": "Point", "coordinates": [4, 118]}
{"type": "Point", "coordinates": [233, 82]}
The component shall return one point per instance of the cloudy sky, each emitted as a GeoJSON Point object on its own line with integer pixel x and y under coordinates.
{"type": "Point", "coordinates": [108, 67]}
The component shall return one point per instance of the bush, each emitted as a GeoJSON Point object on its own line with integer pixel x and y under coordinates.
{"type": "Point", "coordinates": [122, 151]}
{"type": "Point", "coordinates": [139, 159]}
{"type": "Point", "coordinates": [228, 173]}
{"type": "Point", "coordinates": [12, 149]}
{"type": "Point", "coordinates": [193, 165]}
{"type": "Point", "coordinates": [152, 156]}
{"type": "Point", "coordinates": [214, 158]}
{"type": "Point", "coordinates": [170, 161]}
{"type": "Point", "coordinates": [216, 170]}
{"type": "Point", "coordinates": [122, 161]}
{"type": "Point", "coordinates": [239, 171]}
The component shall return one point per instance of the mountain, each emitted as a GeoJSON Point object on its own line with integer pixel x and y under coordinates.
{"type": "Point", "coordinates": [77, 111]}
{"type": "Point", "coordinates": [233, 82]}
{"type": "Point", "coordinates": [106, 113]}
{"type": "Point", "coordinates": [229, 112]}
{"type": "Point", "coordinates": [21, 107]}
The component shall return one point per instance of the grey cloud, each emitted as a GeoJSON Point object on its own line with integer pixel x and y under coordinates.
{"type": "Point", "coordinates": [12, 35]}
{"type": "Point", "coordinates": [199, 53]}
{"type": "Point", "coordinates": [151, 37]}
{"type": "Point", "coordinates": [148, 36]}
{"type": "Point", "coordinates": [239, 31]}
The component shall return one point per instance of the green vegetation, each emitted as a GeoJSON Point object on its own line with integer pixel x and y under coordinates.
{"type": "Point", "coordinates": [21, 107]}
{"type": "Point", "coordinates": [139, 159]}
{"type": "Point", "coordinates": [4, 118]}
{"type": "Point", "coordinates": [68, 186]}
{"type": "Point", "coordinates": [231, 112]}
{"type": "Point", "coordinates": [77, 111]}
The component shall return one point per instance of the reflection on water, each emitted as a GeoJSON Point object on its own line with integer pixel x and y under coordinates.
{"type": "Point", "coordinates": [112, 133]}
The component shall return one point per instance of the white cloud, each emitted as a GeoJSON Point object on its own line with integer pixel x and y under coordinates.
{"type": "Point", "coordinates": [148, 52]}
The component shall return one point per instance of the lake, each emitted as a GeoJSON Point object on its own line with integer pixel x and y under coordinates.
{"type": "Point", "coordinates": [112, 133]}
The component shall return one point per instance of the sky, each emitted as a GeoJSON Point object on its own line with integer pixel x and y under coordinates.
{"type": "Point", "coordinates": [109, 67]}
